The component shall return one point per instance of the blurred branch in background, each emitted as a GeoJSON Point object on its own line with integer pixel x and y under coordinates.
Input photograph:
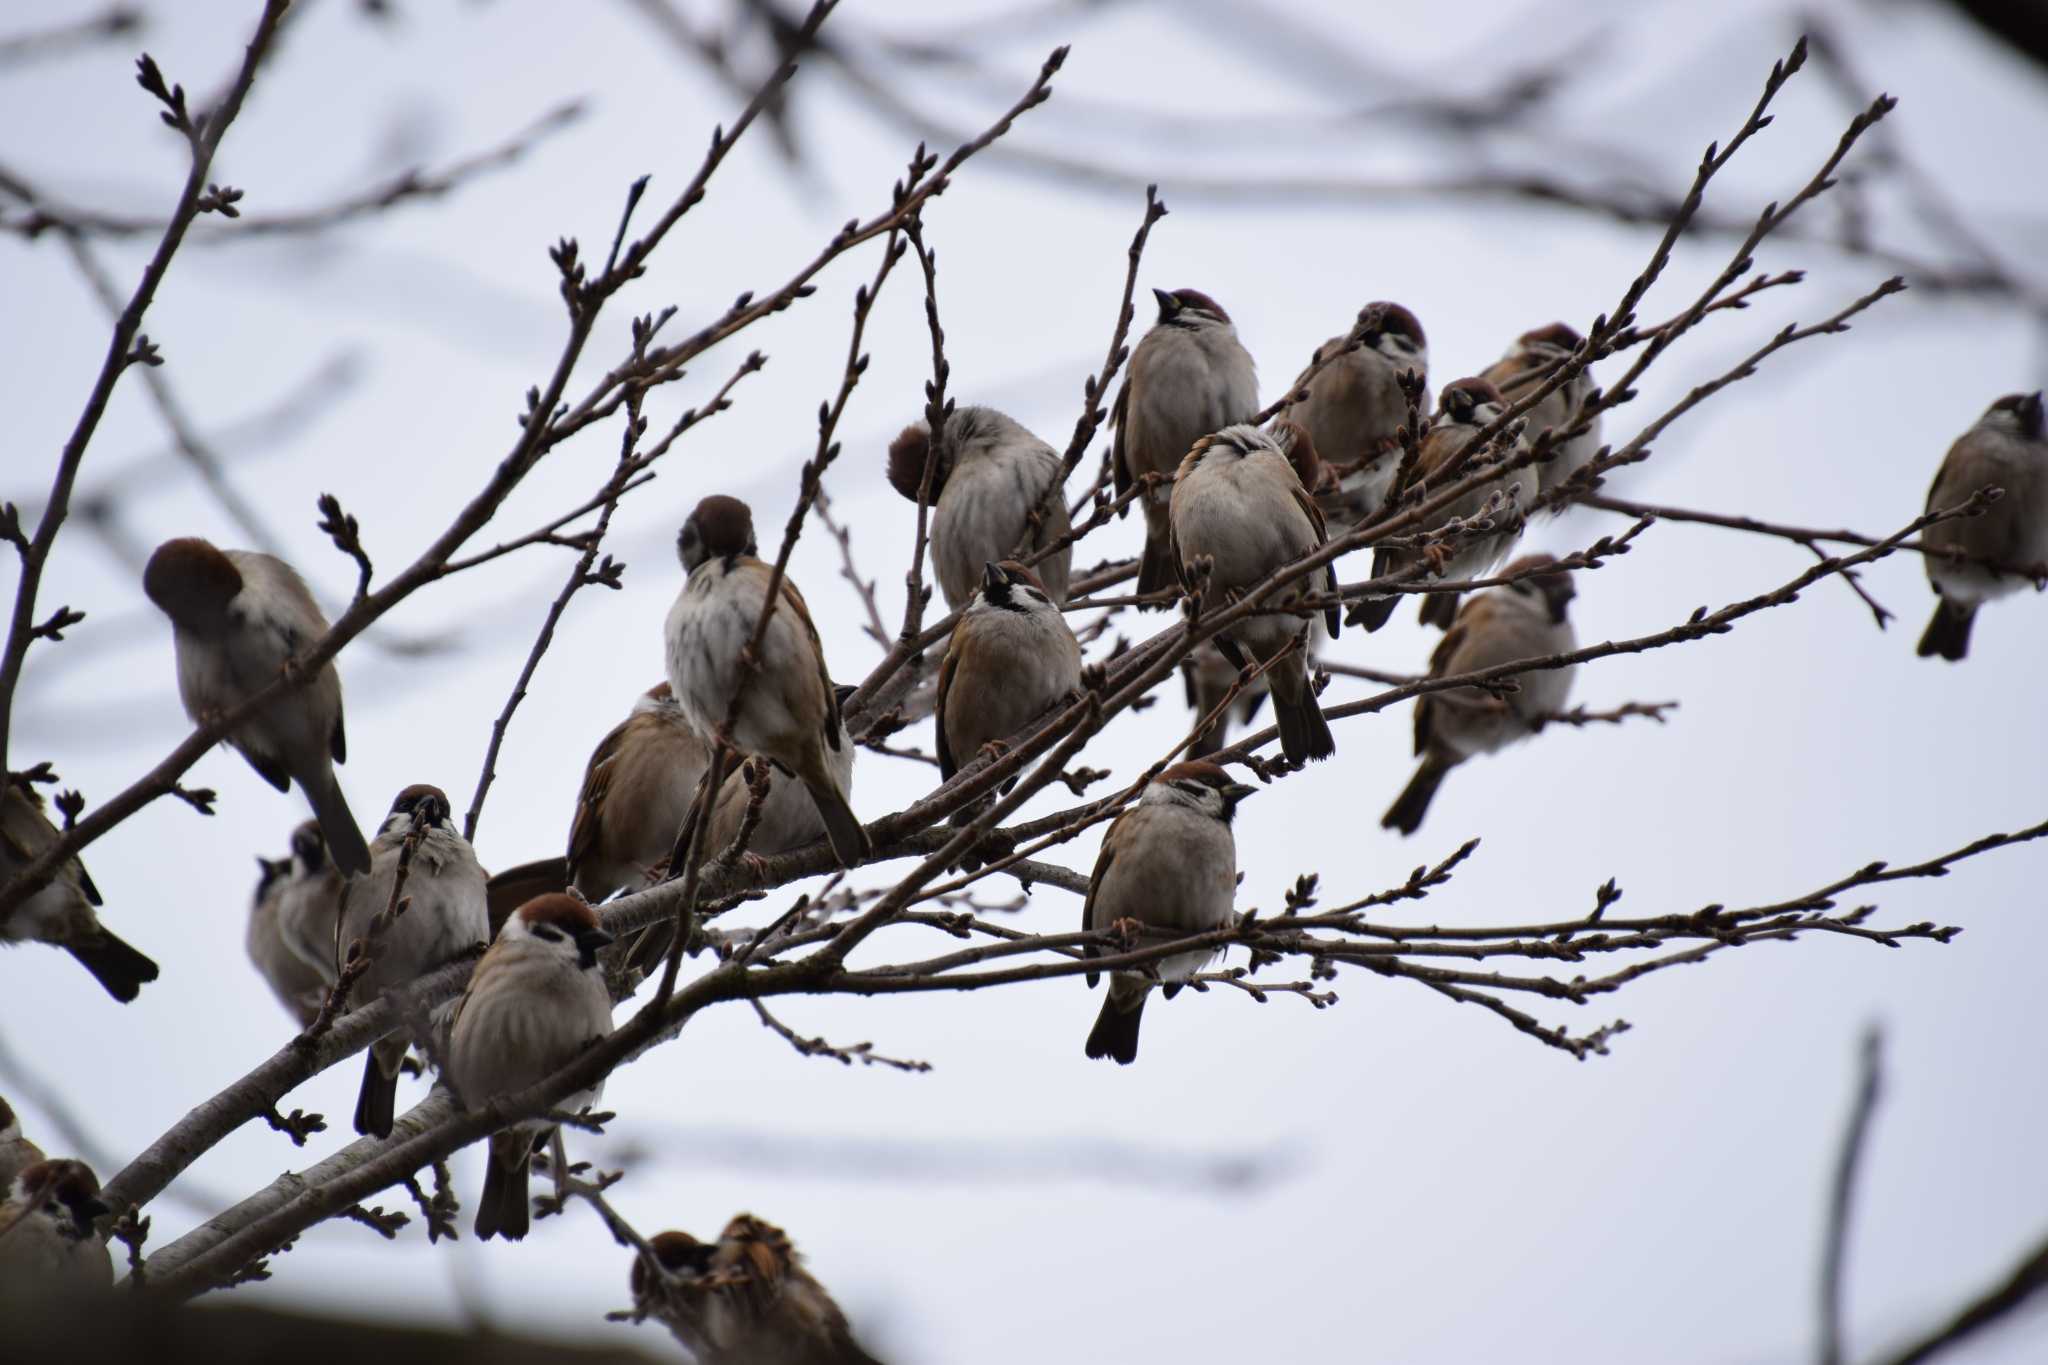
{"type": "Point", "coordinates": [35, 45]}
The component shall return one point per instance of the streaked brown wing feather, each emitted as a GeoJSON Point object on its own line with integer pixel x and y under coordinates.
{"type": "Point", "coordinates": [586, 831]}
{"type": "Point", "coordinates": [947, 670]}
{"type": "Point", "coordinates": [795, 601]}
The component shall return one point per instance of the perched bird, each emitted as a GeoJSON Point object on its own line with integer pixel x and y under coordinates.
{"type": "Point", "coordinates": [1525, 619]}
{"type": "Point", "coordinates": [745, 1299]}
{"type": "Point", "coordinates": [1239, 503]}
{"type": "Point", "coordinates": [2004, 450]}
{"type": "Point", "coordinates": [789, 817]}
{"type": "Point", "coordinates": [637, 788]}
{"type": "Point", "coordinates": [512, 887]}
{"type": "Point", "coordinates": [1169, 866]}
{"type": "Point", "coordinates": [1463, 410]}
{"type": "Point", "coordinates": [788, 712]}
{"type": "Point", "coordinates": [535, 1001]}
{"type": "Point", "coordinates": [60, 912]}
{"type": "Point", "coordinates": [47, 1241]}
{"type": "Point", "coordinates": [1189, 377]}
{"type": "Point", "coordinates": [1528, 363]}
{"type": "Point", "coordinates": [299, 982]}
{"type": "Point", "coordinates": [990, 476]}
{"type": "Point", "coordinates": [446, 919]}
{"type": "Point", "coordinates": [17, 1153]}
{"type": "Point", "coordinates": [309, 905]}
{"type": "Point", "coordinates": [239, 618]}
{"type": "Point", "coordinates": [1011, 658]}
{"type": "Point", "coordinates": [1354, 407]}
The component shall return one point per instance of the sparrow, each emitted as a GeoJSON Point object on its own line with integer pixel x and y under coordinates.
{"type": "Point", "coordinates": [513, 887]}
{"type": "Point", "coordinates": [309, 905]}
{"type": "Point", "coordinates": [745, 1299]}
{"type": "Point", "coordinates": [789, 818]}
{"type": "Point", "coordinates": [238, 619]}
{"type": "Point", "coordinates": [788, 712]}
{"type": "Point", "coordinates": [60, 913]}
{"type": "Point", "coordinates": [1239, 503]}
{"type": "Point", "coordinates": [17, 1153]}
{"type": "Point", "coordinates": [445, 919]}
{"type": "Point", "coordinates": [47, 1241]}
{"type": "Point", "coordinates": [1463, 410]}
{"type": "Point", "coordinates": [1354, 407]}
{"type": "Point", "coordinates": [1189, 377]}
{"type": "Point", "coordinates": [1010, 660]}
{"type": "Point", "coordinates": [1168, 865]}
{"type": "Point", "coordinates": [637, 788]}
{"type": "Point", "coordinates": [1530, 361]}
{"type": "Point", "coordinates": [1525, 619]}
{"type": "Point", "coordinates": [990, 476]}
{"type": "Point", "coordinates": [298, 982]}
{"type": "Point", "coordinates": [535, 1001]}
{"type": "Point", "coordinates": [2006, 450]}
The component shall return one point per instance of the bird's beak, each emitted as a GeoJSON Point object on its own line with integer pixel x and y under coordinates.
{"type": "Point", "coordinates": [1237, 791]}
{"type": "Point", "coordinates": [92, 1210]}
{"type": "Point", "coordinates": [1168, 304]}
{"type": "Point", "coordinates": [993, 579]}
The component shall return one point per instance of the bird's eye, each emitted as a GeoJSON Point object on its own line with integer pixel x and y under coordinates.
{"type": "Point", "coordinates": [548, 932]}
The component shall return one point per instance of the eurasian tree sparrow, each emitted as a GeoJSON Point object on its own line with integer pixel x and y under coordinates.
{"type": "Point", "coordinates": [309, 903]}
{"type": "Point", "coordinates": [1011, 658]}
{"type": "Point", "coordinates": [2004, 450]}
{"type": "Point", "coordinates": [991, 474]}
{"type": "Point", "coordinates": [637, 788]}
{"type": "Point", "coordinates": [17, 1153]}
{"type": "Point", "coordinates": [47, 1241]}
{"type": "Point", "coordinates": [746, 1300]}
{"type": "Point", "coordinates": [1189, 377]}
{"type": "Point", "coordinates": [446, 918]}
{"type": "Point", "coordinates": [239, 618]}
{"type": "Point", "coordinates": [1354, 407]}
{"type": "Point", "coordinates": [60, 913]}
{"type": "Point", "coordinates": [299, 984]}
{"type": "Point", "coordinates": [1463, 410]}
{"type": "Point", "coordinates": [535, 1001]}
{"type": "Point", "coordinates": [1168, 863]}
{"type": "Point", "coordinates": [789, 712]}
{"type": "Point", "coordinates": [1239, 502]}
{"type": "Point", "coordinates": [1528, 363]}
{"type": "Point", "coordinates": [1525, 619]}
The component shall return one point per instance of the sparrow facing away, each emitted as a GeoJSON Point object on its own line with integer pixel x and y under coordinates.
{"type": "Point", "coordinates": [17, 1153]}
{"type": "Point", "coordinates": [1239, 502]}
{"type": "Point", "coordinates": [1528, 363]}
{"type": "Point", "coordinates": [2004, 450]}
{"type": "Point", "coordinates": [1189, 376]}
{"type": "Point", "coordinates": [299, 984]}
{"type": "Point", "coordinates": [1354, 407]}
{"type": "Point", "coordinates": [636, 790]}
{"type": "Point", "coordinates": [1463, 410]}
{"type": "Point", "coordinates": [788, 712]}
{"type": "Point", "coordinates": [1168, 863]}
{"type": "Point", "coordinates": [238, 619]}
{"type": "Point", "coordinates": [990, 476]}
{"type": "Point", "coordinates": [745, 1299]}
{"type": "Point", "coordinates": [47, 1242]}
{"type": "Point", "coordinates": [1011, 658]}
{"type": "Point", "coordinates": [535, 1001]}
{"type": "Point", "coordinates": [60, 913]}
{"type": "Point", "coordinates": [1520, 620]}
{"type": "Point", "coordinates": [446, 919]}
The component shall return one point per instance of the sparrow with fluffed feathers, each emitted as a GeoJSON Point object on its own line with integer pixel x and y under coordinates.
{"type": "Point", "coordinates": [536, 1000]}
{"type": "Point", "coordinates": [446, 919]}
{"type": "Point", "coordinates": [788, 712]}
{"type": "Point", "coordinates": [1240, 505]}
{"type": "Point", "coordinates": [1011, 659]}
{"type": "Point", "coordinates": [294, 977]}
{"type": "Point", "coordinates": [1533, 358]}
{"type": "Point", "coordinates": [745, 1299]}
{"type": "Point", "coordinates": [990, 476]}
{"type": "Point", "coordinates": [1525, 619]}
{"type": "Point", "coordinates": [61, 912]}
{"type": "Point", "coordinates": [1464, 409]}
{"type": "Point", "coordinates": [2005, 449]}
{"type": "Point", "coordinates": [636, 790]}
{"type": "Point", "coordinates": [17, 1153]}
{"type": "Point", "coordinates": [1169, 865]}
{"type": "Point", "coordinates": [1354, 407]}
{"type": "Point", "coordinates": [238, 619]}
{"type": "Point", "coordinates": [1189, 376]}
{"type": "Point", "coordinates": [47, 1239]}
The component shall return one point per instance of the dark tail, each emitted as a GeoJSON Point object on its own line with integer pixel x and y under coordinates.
{"type": "Point", "coordinates": [842, 826]}
{"type": "Point", "coordinates": [114, 964]}
{"type": "Point", "coordinates": [1439, 609]}
{"type": "Point", "coordinates": [1413, 803]}
{"type": "Point", "coordinates": [377, 1101]}
{"type": "Point", "coordinates": [1304, 734]}
{"type": "Point", "coordinates": [1116, 1029]}
{"type": "Point", "coordinates": [344, 840]}
{"type": "Point", "coordinates": [503, 1210]}
{"type": "Point", "coordinates": [1155, 569]}
{"type": "Point", "coordinates": [1948, 634]}
{"type": "Point", "coordinates": [1374, 612]}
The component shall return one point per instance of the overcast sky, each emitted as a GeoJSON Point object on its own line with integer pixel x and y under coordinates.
{"type": "Point", "coordinates": [1413, 1180]}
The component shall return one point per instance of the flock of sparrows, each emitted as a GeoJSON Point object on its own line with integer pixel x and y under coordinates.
{"type": "Point", "coordinates": [1225, 504]}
